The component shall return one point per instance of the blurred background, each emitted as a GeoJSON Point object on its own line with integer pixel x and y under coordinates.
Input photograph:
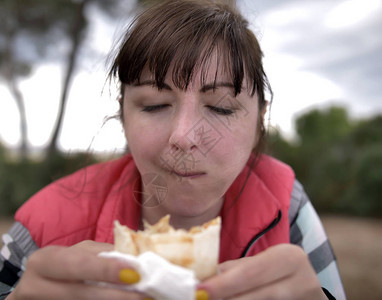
{"type": "Point", "coordinates": [324, 62]}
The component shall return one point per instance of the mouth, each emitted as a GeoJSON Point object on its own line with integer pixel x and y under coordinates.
{"type": "Point", "coordinates": [188, 174]}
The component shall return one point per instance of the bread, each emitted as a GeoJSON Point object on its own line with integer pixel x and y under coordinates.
{"type": "Point", "coordinates": [196, 249]}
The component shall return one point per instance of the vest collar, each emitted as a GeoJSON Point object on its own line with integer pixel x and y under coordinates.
{"type": "Point", "coordinates": [247, 216]}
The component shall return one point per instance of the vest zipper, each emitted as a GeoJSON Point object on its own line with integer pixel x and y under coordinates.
{"type": "Point", "coordinates": [260, 234]}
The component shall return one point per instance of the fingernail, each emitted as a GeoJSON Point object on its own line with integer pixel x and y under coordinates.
{"type": "Point", "coordinates": [201, 295]}
{"type": "Point", "coordinates": [129, 276]}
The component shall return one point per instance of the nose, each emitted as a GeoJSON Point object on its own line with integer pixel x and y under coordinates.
{"type": "Point", "coordinates": [182, 137]}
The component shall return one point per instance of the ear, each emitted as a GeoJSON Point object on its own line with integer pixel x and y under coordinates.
{"type": "Point", "coordinates": [264, 110]}
{"type": "Point", "coordinates": [260, 127]}
{"type": "Point", "coordinates": [120, 111]}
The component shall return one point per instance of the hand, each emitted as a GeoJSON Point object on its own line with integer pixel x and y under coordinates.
{"type": "Point", "coordinates": [56, 272]}
{"type": "Point", "coordinates": [280, 272]}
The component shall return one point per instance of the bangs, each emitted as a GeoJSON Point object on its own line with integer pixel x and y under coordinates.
{"type": "Point", "coordinates": [187, 35]}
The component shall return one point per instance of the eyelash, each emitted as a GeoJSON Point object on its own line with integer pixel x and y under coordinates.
{"type": "Point", "coordinates": [218, 110]}
{"type": "Point", "coordinates": [221, 111]}
{"type": "Point", "coordinates": [154, 108]}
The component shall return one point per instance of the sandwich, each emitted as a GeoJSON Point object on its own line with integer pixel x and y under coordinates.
{"type": "Point", "coordinates": [196, 249]}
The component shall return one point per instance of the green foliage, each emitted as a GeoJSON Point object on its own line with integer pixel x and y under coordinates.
{"type": "Point", "coordinates": [19, 180]}
{"type": "Point", "coordinates": [326, 127]}
{"type": "Point", "coordinates": [338, 161]}
{"type": "Point", "coordinates": [366, 190]}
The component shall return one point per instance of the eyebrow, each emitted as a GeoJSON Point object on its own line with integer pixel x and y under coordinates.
{"type": "Point", "coordinates": [213, 86]}
{"type": "Point", "coordinates": [151, 83]}
{"type": "Point", "coordinates": [203, 89]}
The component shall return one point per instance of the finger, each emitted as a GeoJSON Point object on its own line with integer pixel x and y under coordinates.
{"type": "Point", "coordinates": [294, 287]}
{"type": "Point", "coordinates": [40, 288]}
{"type": "Point", "coordinates": [250, 273]}
{"type": "Point", "coordinates": [94, 247]}
{"type": "Point", "coordinates": [228, 265]}
{"type": "Point", "coordinates": [99, 292]}
{"type": "Point", "coordinates": [74, 264]}
{"type": "Point", "coordinates": [274, 291]}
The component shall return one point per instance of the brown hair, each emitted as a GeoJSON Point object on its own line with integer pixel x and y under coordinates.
{"type": "Point", "coordinates": [186, 33]}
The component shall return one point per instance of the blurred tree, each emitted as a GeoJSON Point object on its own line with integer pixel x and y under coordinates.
{"type": "Point", "coordinates": [365, 192]}
{"type": "Point", "coordinates": [323, 127]}
{"type": "Point", "coordinates": [21, 179]}
{"type": "Point", "coordinates": [318, 131]}
{"type": "Point", "coordinates": [367, 132]}
{"type": "Point", "coordinates": [76, 35]}
{"type": "Point", "coordinates": [339, 161]}
{"type": "Point", "coordinates": [28, 29]}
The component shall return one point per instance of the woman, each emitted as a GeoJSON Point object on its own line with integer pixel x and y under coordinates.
{"type": "Point", "coordinates": [192, 107]}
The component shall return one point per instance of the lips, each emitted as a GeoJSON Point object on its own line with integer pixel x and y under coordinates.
{"type": "Point", "coordinates": [188, 174]}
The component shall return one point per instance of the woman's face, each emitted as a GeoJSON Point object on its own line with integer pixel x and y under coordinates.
{"type": "Point", "coordinates": [195, 141]}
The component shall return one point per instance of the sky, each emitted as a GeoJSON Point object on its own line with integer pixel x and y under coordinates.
{"type": "Point", "coordinates": [320, 52]}
{"type": "Point", "coordinates": [316, 53]}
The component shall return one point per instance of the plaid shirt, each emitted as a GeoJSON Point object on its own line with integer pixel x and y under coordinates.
{"type": "Point", "coordinates": [306, 230]}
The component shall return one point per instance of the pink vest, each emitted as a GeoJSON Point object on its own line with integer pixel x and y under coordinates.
{"type": "Point", "coordinates": [84, 205]}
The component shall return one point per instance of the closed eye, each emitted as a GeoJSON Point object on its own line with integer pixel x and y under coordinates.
{"type": "Point", "coordinates": [154, 108]}
{"type": "Point", "coordinates": [221, 111]}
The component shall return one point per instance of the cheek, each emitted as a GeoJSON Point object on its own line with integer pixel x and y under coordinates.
{"type": "Point", "coordinates": [143, 138]}
{"type": "Point", "coordinates": [241, 138]}
{"type": "Point", "coordinates": [143, 146]}
{"type": "Point", "coordinates": [236, 149]}
{"type": "Point", "coordinates": [146, 139]}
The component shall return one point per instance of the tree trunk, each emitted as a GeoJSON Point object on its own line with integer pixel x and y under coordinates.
{"type": "Point", "coordinates": [18, 96]}
{"type": "Point", "coordinates": [76, 38]}
{"type": "Point", "coordinates": [11, 82]}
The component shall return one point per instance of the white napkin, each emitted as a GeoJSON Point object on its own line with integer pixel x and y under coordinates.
{"type": "Point", "coordinates": [160, 279]}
